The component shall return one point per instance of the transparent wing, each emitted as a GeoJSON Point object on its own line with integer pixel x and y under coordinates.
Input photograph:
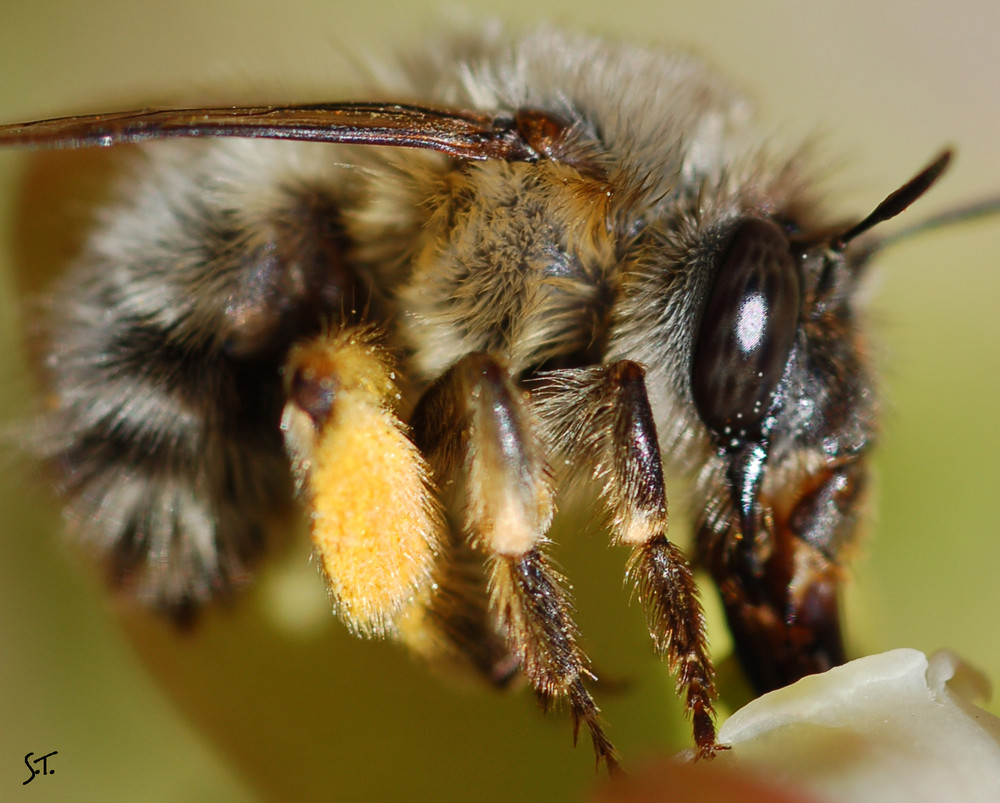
{"type": "Point", "coordinates": [463, 134]}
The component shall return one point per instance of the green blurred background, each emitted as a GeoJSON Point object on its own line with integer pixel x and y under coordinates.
{"type": "Point", "coordinates": [271, 699]}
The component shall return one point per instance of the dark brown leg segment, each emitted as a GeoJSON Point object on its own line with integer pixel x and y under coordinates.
{"type": "Point", "coordinates": [474, 428]}
{"type": "Point", "coordinates": [467, 634]}
{"type": "Point", "coordinates": [603, 414]}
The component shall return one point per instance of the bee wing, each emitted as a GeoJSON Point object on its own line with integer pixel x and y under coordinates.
{"type": "Point", "coordinates": [463, 134]}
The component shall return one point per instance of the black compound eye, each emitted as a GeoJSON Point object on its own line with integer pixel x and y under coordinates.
{"type": "Point", "coordinates": [747, 330]}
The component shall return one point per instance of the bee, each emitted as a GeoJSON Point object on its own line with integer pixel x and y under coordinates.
{"type": "Point", "coordinates": [513, 278]}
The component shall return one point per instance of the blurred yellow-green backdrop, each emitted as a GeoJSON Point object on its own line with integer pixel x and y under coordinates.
{"type": "Point", "coordinates": [271, 699]}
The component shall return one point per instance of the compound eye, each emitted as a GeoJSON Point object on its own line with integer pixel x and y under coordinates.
{"type": "Point", "coordinates": [747, 331]}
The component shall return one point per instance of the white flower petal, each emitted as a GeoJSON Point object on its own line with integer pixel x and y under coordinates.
{"type": "Point", "coordinates": [889, 727]}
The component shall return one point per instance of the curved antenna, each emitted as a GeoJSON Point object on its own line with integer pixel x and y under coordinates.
{"type": "Point", "coordinates": [897, 201]}
{"type": "Point", "coordinates": [525, 136]}
{"type": "Point", "coordinates": [961, 214]}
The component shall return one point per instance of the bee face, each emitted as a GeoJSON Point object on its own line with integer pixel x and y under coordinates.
{"type": "Point", "coordinates": [785, 457]}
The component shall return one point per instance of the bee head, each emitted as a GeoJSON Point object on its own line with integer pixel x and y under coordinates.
{"type": "Point", "coordinates": [779, 379]}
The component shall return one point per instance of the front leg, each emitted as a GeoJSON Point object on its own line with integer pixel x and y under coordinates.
{"type": "Point", "coordinates": [602, 414]}
{"type": "Point", "coordinates": [473, 425]}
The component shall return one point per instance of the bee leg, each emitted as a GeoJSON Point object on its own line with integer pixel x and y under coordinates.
{"type": "Point", "coordinates": [603, 414]}
{"type": "Point", "coordinates": [474, 426]}
{"type": "Point", "coordinates": [457, 631]}
{"type": "Point", "coordinates": [375, 523]}
{"type": "Point", "coordinates": [392, 565]}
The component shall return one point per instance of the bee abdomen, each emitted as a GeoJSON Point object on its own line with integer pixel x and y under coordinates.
{"type": "Point", "coordinates": [166, 474]}
{"type": "Point", "coordinates": [164, 354]}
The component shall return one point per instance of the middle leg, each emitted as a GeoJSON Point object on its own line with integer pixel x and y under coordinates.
{"type": "Point", "coordinates": [474, 427]}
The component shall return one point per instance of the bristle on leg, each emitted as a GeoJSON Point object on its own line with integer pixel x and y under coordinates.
{"type": "Point", "coordinates": [602, 415]}
{"type": "Point", "coordinates": [475, 428]}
